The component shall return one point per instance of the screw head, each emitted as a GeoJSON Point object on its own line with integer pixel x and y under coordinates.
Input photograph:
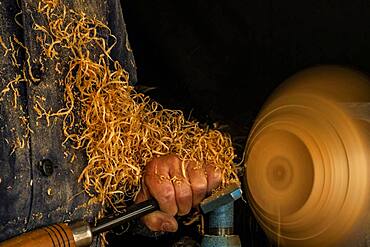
{"type": "Point", "coordinates": [36, 73]}
{"type": "Point", "coordinates": [47, 167]}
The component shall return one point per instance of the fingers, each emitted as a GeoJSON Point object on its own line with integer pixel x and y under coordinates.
{"type": "Point", "coordinates": [157, 220]}
{"type": "Point", "coordinates": [157, 180]}
{"type": "Point", "coordinates": [164, 180]}
{"type": "Point", "coordinates": [198, 182]}
{"type": "Point", "coordinates": [175, 193]}
{"type": "Point", "coordinates": [160, 221]}
{"type": "Point", "coordinates": [182, 187]}
{"type": "Point", "coordinates": [213, 177]}
{"type": "Point", "coordinates": [166, 183]}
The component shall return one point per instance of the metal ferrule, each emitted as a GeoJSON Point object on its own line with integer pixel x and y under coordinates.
{"type": "Point", "coordinates": [221, 231]}
{"type": "Point", "coordinates": [82, 234]}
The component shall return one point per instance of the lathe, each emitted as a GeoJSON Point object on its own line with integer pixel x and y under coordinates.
{"type": "Point", "coordinates": [306, 165]}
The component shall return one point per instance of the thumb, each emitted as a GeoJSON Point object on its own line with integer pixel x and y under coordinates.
{"type": "Point", "coordinates": [160, 221]}
{"type": "Point", "coordinates": [157, 220]}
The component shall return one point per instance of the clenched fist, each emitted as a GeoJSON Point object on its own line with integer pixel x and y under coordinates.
{"type": "Point", "coordinates": [176, 194]}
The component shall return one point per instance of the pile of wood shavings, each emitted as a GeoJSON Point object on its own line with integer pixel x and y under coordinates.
{"type": "Point", "coordinates": [121, 130]}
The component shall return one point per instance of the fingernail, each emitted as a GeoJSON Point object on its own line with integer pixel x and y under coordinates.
{"type": "Point", "coordinates": [168, 227]}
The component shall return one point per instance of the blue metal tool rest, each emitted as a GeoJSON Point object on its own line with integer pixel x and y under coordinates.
{"type": "Point", "coordinates": [220, 228]}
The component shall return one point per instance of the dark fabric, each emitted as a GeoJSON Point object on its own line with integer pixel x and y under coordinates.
{"type": "Point", "coordinates": [122, 50]}
{"type": "Point", "coordinates": [16, 171]}
{"type": "Point", "coordinates": [30, 199]}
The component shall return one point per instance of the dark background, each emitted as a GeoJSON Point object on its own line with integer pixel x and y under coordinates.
{"type": "Point", "coordinates": [219, 60]}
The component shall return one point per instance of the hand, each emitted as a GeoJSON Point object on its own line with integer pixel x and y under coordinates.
{"type": "Point", "coordinates": [176, 194]}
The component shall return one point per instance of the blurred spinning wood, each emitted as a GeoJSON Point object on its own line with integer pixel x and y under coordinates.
{"type": "Point", "coordinates": [307, 165]}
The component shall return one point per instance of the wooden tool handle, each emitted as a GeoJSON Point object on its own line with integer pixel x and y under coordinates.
{"type": "Point", "coordinates": [58, 235]}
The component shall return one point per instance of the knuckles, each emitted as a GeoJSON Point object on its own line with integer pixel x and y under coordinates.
{"type": "Point", "coordinates": [150, 167]}
{"type": "Point", "coordinates": [214, 174]}
{"type": "Point", "coordinates": [184, 196]}
{"type": "Point", "coordinates": [166, 194]}
{"type": "Point", "coordinates": [199, 188]}
{"type": "Point", "coordinates": [172, 160]}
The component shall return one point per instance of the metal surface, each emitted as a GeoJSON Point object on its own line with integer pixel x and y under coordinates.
{"type": "Point", "coordinates": [82, 234]}
{"type": "Point", "coordinates": [221, 241]}
{"type": "Point", "coordinates": [230, 194]}
{"type": "Point", "coordinates": [221, 218]}
{"type": "Point", "coordinates": [307, 160]}
{"type": "Point", "coordinates": [220, 209]}
{"type": "Point", "coordinates": [132, 212]}
{"type": "Point", "coordinates": [221, 231]}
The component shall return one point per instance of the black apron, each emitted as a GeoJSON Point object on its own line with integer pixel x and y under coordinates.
{"type": "Point", "coordinates": [38, 183]}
